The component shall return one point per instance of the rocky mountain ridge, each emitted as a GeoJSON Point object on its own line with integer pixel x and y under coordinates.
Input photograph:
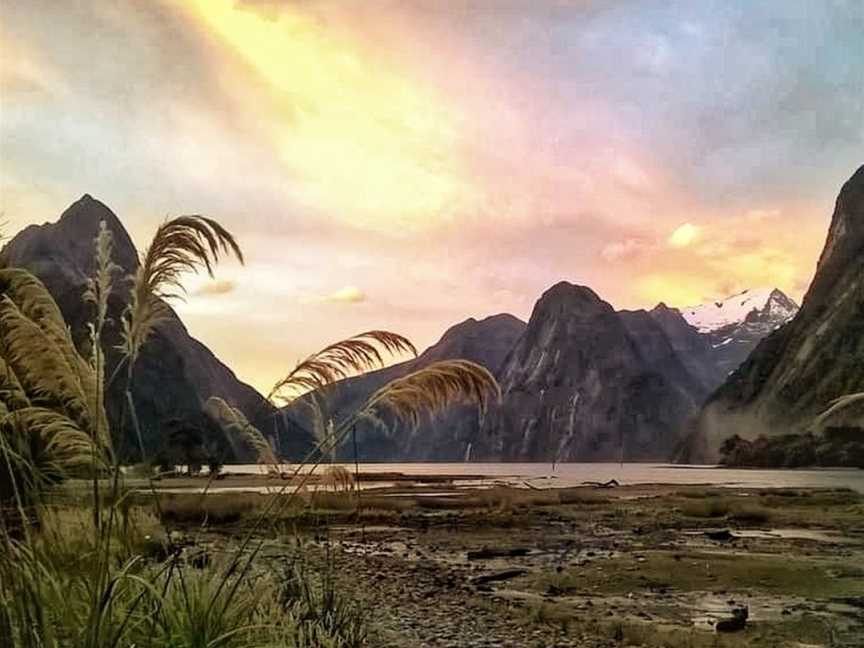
{"type": "Point", "coordinates": [735, 325]}
{"type": "Point", "coordinates": [580, 381]}
{"type": "Point", "coordinates": [587, 383]}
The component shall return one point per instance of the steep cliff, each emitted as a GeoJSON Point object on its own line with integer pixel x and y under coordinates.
{"type": "Point", "coordinates": [799, 368]}
{"type": "Point", "coordinates": [585, 383]}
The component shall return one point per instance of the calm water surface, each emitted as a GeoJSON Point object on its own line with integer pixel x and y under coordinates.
{"type": "Point", "coordinates": [573, 474]}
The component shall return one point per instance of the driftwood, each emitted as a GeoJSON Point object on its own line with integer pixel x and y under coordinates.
{"type": "Point", "coordinates": [507, 574]}
{"type": "Point", "coordinates": [612, 483]}
{"type": "Point", "coordinates": [487, 553]}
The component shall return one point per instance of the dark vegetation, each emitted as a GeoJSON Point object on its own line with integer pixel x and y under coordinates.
{"type": "Point", "coordinates": [835, 447]}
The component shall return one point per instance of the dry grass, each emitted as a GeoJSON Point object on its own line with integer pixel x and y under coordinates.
{"type": "Point", "coordinates": [433, 389]}
{"type": "Point", "coordinates": [186, 244]}
{"type": "Point", "coordinates": [193, 508]}
{"type": "Point", "coordinates": [338, 478]}
{"type": "Point", "coordinates": [240, 433]}
{"type": "Point", "coordinates": [338, 361]}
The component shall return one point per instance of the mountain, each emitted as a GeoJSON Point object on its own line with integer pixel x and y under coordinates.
{"type": "Point", "coordinates": [585, 383]}
{"type": "Point", "coordinates": [486, 342]}
{"type": "Point", "coordinates": [695, 349]}
{"type": "Point", "coordinates": [797, 370]}
{"type": "Point", "coordinates": [735, 325]}
{"type": "Point", "coordinates": [175, 373]}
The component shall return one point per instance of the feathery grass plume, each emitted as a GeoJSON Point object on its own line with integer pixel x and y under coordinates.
{"type": "Point", "coordinates": [41, 365]}
{"type": "Point", "coordinates": [98, 292]}
{"type": "Point", "coordinates": [838, 405]}
{"type": "Point", "coordinates": [12, 394]}
{"type": "Point", "coordinates": [433, 389]}
{"type": "Point", "coordinates": [180, 245]}
{"type": "Point", "coordinates": [338, 361]}
{"type": "Point", "coordinates": [37, 305]}
{"type": "Point", "coordinates": [241, 434]}
{"type": "Point", "coordinates": [100, 286]}
{"type": "Point", "coordinates": [49, 443]}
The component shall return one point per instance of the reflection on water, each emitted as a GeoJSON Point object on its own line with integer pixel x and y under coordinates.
{"type": "Point", "coordinates": [574, 474]}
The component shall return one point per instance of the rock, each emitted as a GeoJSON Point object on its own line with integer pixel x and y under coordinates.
{"type": "Point", "coordinates": [723, 535]}
{"type": "Point", "coordinates": [507, 574]}
{"type": "Point", "coordinates": [736, 623]}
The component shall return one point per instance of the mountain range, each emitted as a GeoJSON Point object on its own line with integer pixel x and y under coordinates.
{"type": "Point", "coordinates": [580, 380]}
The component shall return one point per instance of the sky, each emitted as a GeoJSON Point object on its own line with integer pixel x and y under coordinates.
{"type": "Point", "coordinates": [408, 164]}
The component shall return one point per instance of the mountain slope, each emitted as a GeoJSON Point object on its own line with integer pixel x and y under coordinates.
{"type": "Point", "coordinates": [175, 372]}
{"type": "Point", "coordinates": [799, 368]}
{"type": "Point", "coordinates": [485, 342]}
{"type": "Point", "coordinates": [693, 348]}
{"type": "Point", "coordinates": [763, 305]}
{"type": "Point", "coordinates": [579, 387]}
{"type": "Point", "coordinates": [735, 325]}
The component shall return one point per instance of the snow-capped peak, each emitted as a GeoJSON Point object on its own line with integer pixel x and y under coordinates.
{"type": "Point", "coordinates": [769, 305]}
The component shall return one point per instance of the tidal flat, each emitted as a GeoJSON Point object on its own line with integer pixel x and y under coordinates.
{"type": "Point", "coordinates": [434, 564]}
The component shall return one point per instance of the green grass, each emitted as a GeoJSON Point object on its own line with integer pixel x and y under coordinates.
{"type": "Point", "coordinates": [698, 571]}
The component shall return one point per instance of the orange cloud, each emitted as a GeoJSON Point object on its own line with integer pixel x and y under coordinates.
{"type": "Point", "coordinates": [346, 295]}
{"type": "Point", "coordinates": [684, 235]}
{"type": "Point", "coordinates": [216, 287]}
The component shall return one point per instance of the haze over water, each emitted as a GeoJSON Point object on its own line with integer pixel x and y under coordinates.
{"type": "Point", "coordinates": [574, 474]}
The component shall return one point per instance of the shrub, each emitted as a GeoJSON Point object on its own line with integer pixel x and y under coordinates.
{"type": "Point", "coordinates": [708, 508]}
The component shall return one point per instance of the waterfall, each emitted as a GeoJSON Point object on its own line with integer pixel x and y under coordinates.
{"type": "Point", "coordinates": [468, 452]}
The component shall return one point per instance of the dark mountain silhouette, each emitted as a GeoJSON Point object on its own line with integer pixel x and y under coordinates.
{"type": "Point", "coordinates": [175, 373]}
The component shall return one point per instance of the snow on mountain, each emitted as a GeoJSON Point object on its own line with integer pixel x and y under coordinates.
{"type": "Point", "coordinates": [765, 305]}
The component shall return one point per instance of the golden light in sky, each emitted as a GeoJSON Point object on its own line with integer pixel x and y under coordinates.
{"type": "Point", "coordinates": [684, 235]}
{"type": "Point", "coordinates": [359, 138]}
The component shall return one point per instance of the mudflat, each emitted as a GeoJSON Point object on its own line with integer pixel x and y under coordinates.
{"type": "Point", "coordinates": [440, 565]}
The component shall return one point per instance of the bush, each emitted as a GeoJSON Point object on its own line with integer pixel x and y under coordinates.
{"type": "Point", "coordinates": [707, 508]}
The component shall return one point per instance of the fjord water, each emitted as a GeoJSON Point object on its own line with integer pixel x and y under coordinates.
{"type": "Point", "coordinates": [545, 475]}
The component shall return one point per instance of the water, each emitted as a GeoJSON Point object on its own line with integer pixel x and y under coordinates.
{"type": "Point", "coordinates": [573, 474]}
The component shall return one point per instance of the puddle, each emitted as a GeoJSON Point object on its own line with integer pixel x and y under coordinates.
{"type": "Point", "coordinates": [815, 535]}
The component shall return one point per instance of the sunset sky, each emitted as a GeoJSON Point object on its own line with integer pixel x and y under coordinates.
{"type": "Point", "coordinates": [407, 164]}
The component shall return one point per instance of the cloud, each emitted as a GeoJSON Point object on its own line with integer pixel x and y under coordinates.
{"type": "Point", "coordinates": [216, 287]}
{"type": "Point", "coordinates": [625, 250]}
{"type": "Point", "coordinates": [347, 295]}
{"type": "Point", "coordinates": [726, 254]}
{"type": "Point", "coordinates": [684, 236]}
